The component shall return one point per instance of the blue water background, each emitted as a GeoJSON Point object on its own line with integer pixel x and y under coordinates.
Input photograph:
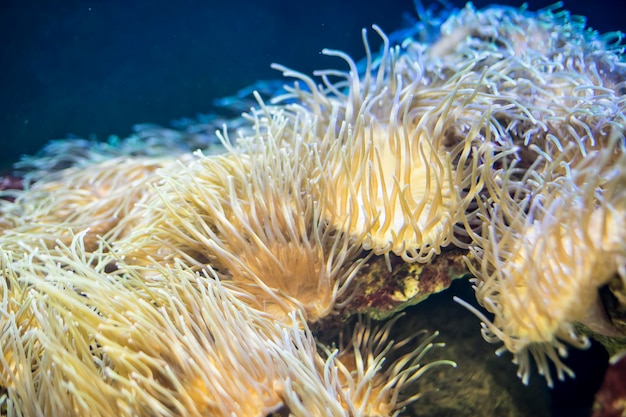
{"type": "Point", "coordinates": [94, 68]}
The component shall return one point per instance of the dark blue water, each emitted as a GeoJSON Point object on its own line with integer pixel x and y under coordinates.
{"type": "Point", "coordinates": [98, 67]}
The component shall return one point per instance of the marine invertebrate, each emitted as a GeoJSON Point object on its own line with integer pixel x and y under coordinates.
{"type": "Point", "coordinates": [552, 142]}
{"type": "Point", "coordinates": [246, 232]}
{"type": "Point", "coordinates": [525, 127]}
{"type": "Point", "coordinates": [124, 345]}
{"type": "Point", "coordinates": [395, 188]}
{"type": "Point", "coordinates": [542, 260]}
{"type": "Point", "coordinates": [143, 292]}
{"type": "Point", "coordinates": [368, 348]}
{"type": "Point", "coordinates": [253, 215]}
{"type": "Point", "coordinates": [76, 199]}
{"type": "Point", "coordinates": [392, 179]}
{"type": "Point", "coordinates": [175, 342]}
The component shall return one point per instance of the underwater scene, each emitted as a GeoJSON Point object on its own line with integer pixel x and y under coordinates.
{"type": "Point", "coordinates": [273, 209]}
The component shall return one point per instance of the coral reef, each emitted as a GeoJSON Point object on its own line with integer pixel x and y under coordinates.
{"type": "Point", "coordinates": [226, 281]}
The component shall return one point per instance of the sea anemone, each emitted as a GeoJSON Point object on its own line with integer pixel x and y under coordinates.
{"type": "Point", "coordinates": [391, 178]}
{"type": "Point", "coordinates": [546, 218]}
{"type": "Point", "coordinates": [545, 252]}
{"type": "Point", "coordinates": [84, 342]}
{"type": "Point", "coordinates": [252, 215]}
{"type": "Point", "coordinates": [176, 342]}
{"type": "Point", "coordinates": [376, 372]}
{"type": "Point", "coordinates": [150, 286]}
{"type": "Point", "coordinates": [70, 201]}
{"type": "Point", "coordinates": [193, 286]}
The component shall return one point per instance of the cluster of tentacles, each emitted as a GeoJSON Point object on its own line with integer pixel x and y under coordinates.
{"type": "Point", "coordinates": [186, 284]}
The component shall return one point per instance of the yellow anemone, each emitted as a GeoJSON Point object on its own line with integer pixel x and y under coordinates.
{"type": "Point", "coordinates": [543, 258]}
